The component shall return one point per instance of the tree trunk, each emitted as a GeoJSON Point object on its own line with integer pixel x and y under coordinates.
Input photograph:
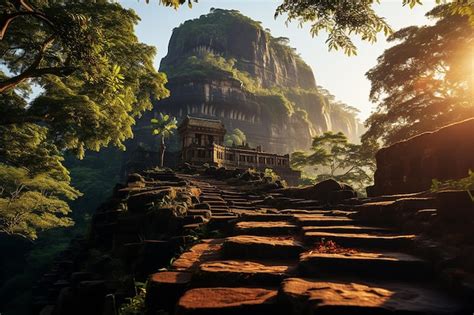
{"type": "Point", "coordinates": [162, 151]}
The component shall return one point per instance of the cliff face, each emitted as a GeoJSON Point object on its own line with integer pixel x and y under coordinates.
{"type": "Point", "coordinates": [230, 34]}
{"type": "Point", "coordinates": [224, 65]}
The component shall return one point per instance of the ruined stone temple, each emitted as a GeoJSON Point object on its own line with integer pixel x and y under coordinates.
{"type": "Point", "coordinates": [202, 141]}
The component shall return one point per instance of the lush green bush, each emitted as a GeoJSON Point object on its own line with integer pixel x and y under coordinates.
{"type": "Point", "coordinates": [466, 183]}
{"type": "Point", "coordinates": [135, 305]}
{"type": "Point", "coordinates": [237, 137]}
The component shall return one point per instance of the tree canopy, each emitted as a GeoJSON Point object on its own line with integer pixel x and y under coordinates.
{"type": "Point", "coordinates": [425, 81]}
{"type": "Point", "coordinates": [90, 75]}
{"type": "Point", "coordinates": [236, 137]}
{"type": "Point", "coordinates": [340, 19]}
{"type": "Point", "coordinates": [332, 156]}
{"type": "Point", "coordinates": [29, 203]}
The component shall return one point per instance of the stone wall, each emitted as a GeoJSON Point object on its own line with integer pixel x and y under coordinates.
{"type": "Point", "coordinates": [411, 165]}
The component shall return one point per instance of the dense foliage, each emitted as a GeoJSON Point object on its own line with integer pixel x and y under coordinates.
{"type": "Point", "coordinates": [31, 202]}
{"type": "Point", "coordinates": [90, 75]}
{"type": "Point", "coordinates": [466, 183]}
{"type": "Point", "coordinates": [332, 156]}
{"type": "Point", "coordinates": [425, 81]}
{"type": "Point", "coordinates": [236, 137]}
{"type": "Point", "coordinates": [341, 19]}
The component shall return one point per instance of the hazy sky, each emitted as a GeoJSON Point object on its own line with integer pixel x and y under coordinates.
{"type": "Point", "coordinates": [342, 75]}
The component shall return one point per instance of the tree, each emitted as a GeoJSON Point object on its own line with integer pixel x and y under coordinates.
{"type": "Point", "coordinates": [425, 81]}
{"type": "Point", "coordinates": [237, 137]}
{"type": "Point", "coordinates": [54, 38]}
{"type": "Point", "coordinates": [334, 157]}
{"type": "Point", "coordinates": [163, 127]}
{"type": "Point", "coordinates": [340, 18]}
{"type": "Point", "coordinates": [29, 203]}
{"type": "Point", "coordinates": [91, 77]}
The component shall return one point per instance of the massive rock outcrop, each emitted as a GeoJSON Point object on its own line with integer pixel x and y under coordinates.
{"type": "Point", "coordinates": [411, 165]}
{"type": "Point", "coordinates": [224, 65]}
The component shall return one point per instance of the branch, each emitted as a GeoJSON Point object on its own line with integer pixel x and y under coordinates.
{"type": "Point", "coordinates": [32, 71]}
{"type": "Point", "coordinates": [7, 19]}
{"type": "Point", "coordinates": [348, 171]}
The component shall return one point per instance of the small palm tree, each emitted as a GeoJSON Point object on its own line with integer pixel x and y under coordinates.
{"type": "Point", "coordinates": [163, 127]}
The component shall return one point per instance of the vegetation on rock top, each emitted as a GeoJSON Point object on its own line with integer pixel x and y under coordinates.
{"type": "Point", "coordinates": [201, 50]}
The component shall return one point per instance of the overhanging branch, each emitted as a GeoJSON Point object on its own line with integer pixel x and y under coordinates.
{"type": "Point", "coordinates": [7, 19]}
{"type": "Point", "coordinates": [33, 71]}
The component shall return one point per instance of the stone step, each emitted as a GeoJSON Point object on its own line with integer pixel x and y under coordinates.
{"type": "Point", "coordinates": [244, 208]}
{"type": "Point", "coordinates": [255, 247]}
{"type": "Point", "coordinates": [203, 186]}
{"type": "Point", "coordinates": [227, 301]}
{"type": "Point", "coordinates": [223, 213]}
{"type": "Point", "coordinates": [201, 206]}
{"type": "Point", "coordinates": [210, 194]}
{"type": "Point", "coordinates": [215, 212]}
{"type": "Point", "coordinates": [242, 272]}
{"type": "Point", "coordinates": [236, 195]}
{"type": "Point", "coordinates": [390, 265]}
{"type": "Point", "coordinates": [241, 205]}
{"type": "Point", "coordinates": [306, 203]}
{"type": "Point", "coordinates": [301, 211]}
{"type": "Point", "coordinates": [254, 198]}
{"type": "Point", "coordinates": [238, 202]}
{"type": "Point", "coordinates": [323, 212]}
{"type": "Point", "coordinates": [310, 208]}
{"type": "Point", "coordinates": [213, 203]}
{"type": "Point", "coordinates": [258, 202]}
{"type": "Point", "coordinates": [360, 297]}
{"type": "Point", "coordinates": [242, 212]}
{"type": "Point", "coordinates": [203, 212]}
{"type": "Point", "coordinates": [362, 240]}
{"type": "Point", "coordinates": [235, 199]}
{"type": "Point", "coordinates": [221, 221]}
{"type": "Point", "coordinates": [269, 228]}
{"type": "Point", "coordinates": [205, 251]}
{"type": "Point", "coordinates": [206, 198]}
{"type": "Point", "coordinates": [210, 190]}
{"type": "Point", "coordinates": [338, 212]}
{"type": "Point", "coordinates": [220, 208]}
{"type": "Point", "coordinates": [265, 217]}
{"type": "Point", "coordinates": [319, 220]}
{"type": "Point", "coordinates": [232, 192]}
{"type": "Point", "coordinates": [351, 229]}
{"type": "Point", "coordinates": [192, 219]}
{"type": "Point", "coordinates": [164, 289]}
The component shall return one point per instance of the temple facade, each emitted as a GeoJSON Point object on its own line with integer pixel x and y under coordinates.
{"type": "Point", "coordinates": [202, 141]}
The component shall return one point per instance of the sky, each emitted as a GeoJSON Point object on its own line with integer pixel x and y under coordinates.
{"type": "Point", "coordinates": [343, 76]}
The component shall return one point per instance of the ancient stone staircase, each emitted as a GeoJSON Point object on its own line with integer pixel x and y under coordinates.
{"type": "Point", "coordinates": [241, 252]}
{"type": "Point", "coordinates": [301, 259]}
